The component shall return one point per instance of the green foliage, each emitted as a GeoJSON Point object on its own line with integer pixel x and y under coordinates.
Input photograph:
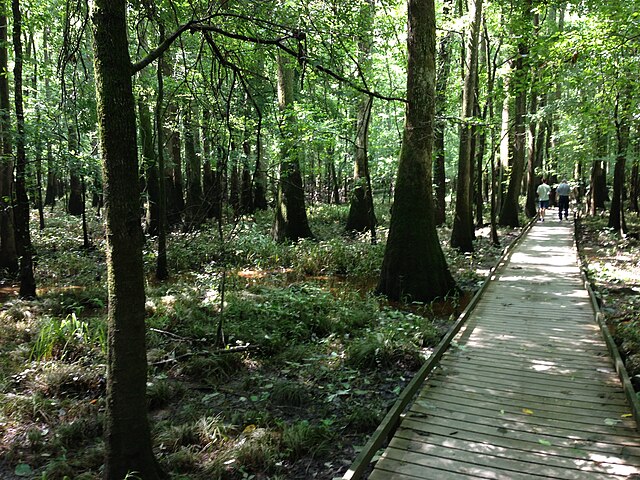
{"type": "Point", "coordinates": [304, 438]}
{"type": "Point", "coordinates": [398, 337]}
{"type": "Point", "coordinates": [69, 338]}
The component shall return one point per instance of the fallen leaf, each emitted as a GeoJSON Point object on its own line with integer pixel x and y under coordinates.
{"type": "Point", "coordinates": [544, 442]}
{"type": "Point", "coordinates": [526, 411]}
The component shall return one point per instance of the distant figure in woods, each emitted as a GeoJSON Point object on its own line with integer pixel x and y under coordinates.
{"type": "Point", "coordinates": [543, 198]}
{"type": "Point", "coordinates": [563, 192]}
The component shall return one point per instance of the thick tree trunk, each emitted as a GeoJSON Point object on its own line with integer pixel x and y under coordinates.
{"type": "Point", "coordinates": [291, 222]}
{"type": "Point", "coordinates": [414, 266]}
{"type": "Point", "coordinates": [21, 206]}
{"type": "Point", "coordinates": [128, 439]}
{"type": "Point", "coordinates": [462, 234]}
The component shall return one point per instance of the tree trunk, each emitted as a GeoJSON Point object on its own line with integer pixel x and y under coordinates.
{"type": "Point", "coordinates": [128, 439]}
{"type": "Point", "coordinates": [8, 252]}
{"type": "Point", "coordinates": [616, 212]}
{"type": "Point", "coordinates": [361, 212]}
{"type": "Point", "coordinates": [21, 206]}
{"type": "Point", "coordinates": [291, 222]}
{"type": "Point", "coordinates": [414, 266]}
{"type": "Point", "coordinates": [150, 167]}
{"type": "Point", "coordinates": [462, 234]}
{"type": "Point", "coordinates": [260, 173]}
{"type": "Point", "coordinates": [361, 216]}
{"type": "Point", "coordinates": [442, 79]}
{"type": "Point", "coordinates": [162, 270]}
{"type": "Point", "coordinates": [193, 206]}
{"type": "Point", "coordinates": [598, 181]}
{"type": "Point", "coordinates": [510, 207]}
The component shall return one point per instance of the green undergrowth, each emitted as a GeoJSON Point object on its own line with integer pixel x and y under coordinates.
{"type": "Point", "coordinates": [612, 265]}
{"type": "Point", "coordinates": [265, 360]}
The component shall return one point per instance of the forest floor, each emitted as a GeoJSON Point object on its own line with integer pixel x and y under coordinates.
{"type": "Point", "coordinates": [311, 361]}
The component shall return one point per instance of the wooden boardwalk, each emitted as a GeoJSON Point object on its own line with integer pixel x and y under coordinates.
{"type": "Point", "coordinates": [527, 390]}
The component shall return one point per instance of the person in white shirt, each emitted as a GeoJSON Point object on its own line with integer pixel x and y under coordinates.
{"type": "Point", "coordinates": [543, 197]}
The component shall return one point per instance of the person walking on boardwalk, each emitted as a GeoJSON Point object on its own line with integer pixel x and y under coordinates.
{"type": "Point", "coordinates": [543, 198]}
{"type": "Point", "coordinates": [563, 192]}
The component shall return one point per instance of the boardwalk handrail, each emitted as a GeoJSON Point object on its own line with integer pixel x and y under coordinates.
{"type": "Point", "coordinates": [627, 386]}
{"type": "Point", "coordinates": [392, 418]}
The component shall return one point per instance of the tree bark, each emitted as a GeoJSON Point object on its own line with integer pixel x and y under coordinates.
{"type": "Point", "coordinates": [414, 266]}
{"type": "Point", "coordinates": [510, 207]}
{"type": "Point", "coordinates": [442, 79]}
{"type": "Point", "coordinates": [162, 270]}
{"type": "Point", "coordinates": [127, 434]}
{"type": "Point", "coordinates": [150, 168]}
{"type": "Point", "coordinates": [362, 216]}
{"type": "Point", "coordinates": [8, 249]}
{"type": "Point", "coordinates": [21, 206]}
{"type": "Point", "coordinates": [462, 234]}
{"type": "Point", "coordinates": [193, 206]}
{"type": "Point", "coordinates": [616, 213]}
{"type": "Point", "coordinates": [291, 222]}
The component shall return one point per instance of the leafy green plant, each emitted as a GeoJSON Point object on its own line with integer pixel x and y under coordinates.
{"type": "Point", "coordinates": [68, 338]}
{"type": "Point", "coordinates": [303, 438]}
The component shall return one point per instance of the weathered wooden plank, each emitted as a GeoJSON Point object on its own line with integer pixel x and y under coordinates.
{"type": "Point", "coordinates": [589, 443]}
{"type": "Point", "coordinates": [517, 462]}
{"type": "Point", "coordinates": [447, 405]}
{"type": "Point", "coordinates": [497, 403]}
{"type": "Point", "coordinates": [573, 376]}
{"type": "Point", "coordinates": [523, 424]}
{"type": "Point", "coordinates": [583, 391]}
{"type": "Point", "coordinates": [508, 388]}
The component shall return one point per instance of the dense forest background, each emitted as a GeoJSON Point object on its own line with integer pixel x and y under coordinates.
{"type": "Point", "coordinates": [230, 231]}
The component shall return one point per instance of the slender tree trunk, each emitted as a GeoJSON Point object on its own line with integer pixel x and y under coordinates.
{"type": "Point", "coordinates": [462, 234]}
{"type": "Point", "coordinates": [150, 167]}
{"type": "Point", "coordinates": [127, 434]}
{"type": "Point", "coordinates": [291, 222]}
{"type": "Point", "coordinates": [21, 207]}
{"type": "Point", "coordinates": [8, 250]}
{"type": "Point", "coordinates": [635, 173]}
{"type": "Point", "coordinates": [361, 216]}
{"type": "Point", "coordinates": [598, 181]}
{"type": "Point", "coordinates": [510, 207]}
{"type": "Point", "coordinates": [162, 270]}
{"type": "Point", "coordinates": [616, 212]}
{"type": "Point", "coordinates": [361, 212]}
{"type": "Point", "coordinates": [246, 187]}
{"type": "Point", "coordinates": [260, 173]}
{"type": "Point", "coordinates": [442, 79]}
{"type": "Point", "coordinates": [414, 266]}
{"type": "Point", "coordinates": [193, 206]}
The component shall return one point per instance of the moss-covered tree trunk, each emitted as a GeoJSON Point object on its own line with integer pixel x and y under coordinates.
{"type": "Point", "coordinates": [462, 234]}
{"type": "Point", "coordinates": [21, 205]}
{"type": "Point", "coordinates": [414, 266]}
{"type": "Point", "coordinates": [127, 434]}
{"type": "Point", "coordinates": [291, 222]}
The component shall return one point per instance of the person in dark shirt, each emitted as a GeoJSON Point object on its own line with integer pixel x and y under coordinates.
{"type": "Point", "coordinates": [563, 192]}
